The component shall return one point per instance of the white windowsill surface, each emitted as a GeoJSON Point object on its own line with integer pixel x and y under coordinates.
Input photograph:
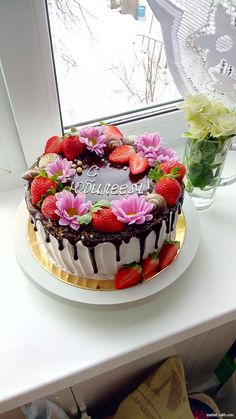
{"type": "Point", "coordinates": [47, 345]}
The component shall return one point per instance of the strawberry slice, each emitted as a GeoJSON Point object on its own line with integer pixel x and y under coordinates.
{"type": "Point", "coordinates": [54, 145]}
{"type": "Point", "coordinates": [137, 163]}
{"type": "Point", "coordinates": [128, 276]}
{"type": "Point", "coordinates": [150, 265]}
{"type": "Point", "coordinates": [121, 154]}
{"type": "Point", "coordinates": [111, 131]}
{"type": "Point", "coordinates": [168, 253]}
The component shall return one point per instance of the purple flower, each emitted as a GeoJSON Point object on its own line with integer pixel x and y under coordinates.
{"type": "Point", "coordinates": [164, 154]}
{"type": "Point", "coordinates": [152, 147]}
{"type": "Point", "coordinates": [94, 139]}
{"type": "Point", "coordinates": [133, 209]}
{"type": "Point", "coordinates": [60, 168]}
{"type": "Point", "coordinates": [70, 207]}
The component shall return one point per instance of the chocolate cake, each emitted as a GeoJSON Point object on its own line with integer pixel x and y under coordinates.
{"type": "Point", "coordinates": [102, 203]}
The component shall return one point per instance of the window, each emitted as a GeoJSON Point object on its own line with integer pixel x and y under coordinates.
{"type": "Point", "coordinates": [109, 58]}
{"type": "Point", "coordinates": [27, 69]}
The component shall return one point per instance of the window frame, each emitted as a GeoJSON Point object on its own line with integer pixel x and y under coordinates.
{"type": "Point", "coordinates": [32, 89]}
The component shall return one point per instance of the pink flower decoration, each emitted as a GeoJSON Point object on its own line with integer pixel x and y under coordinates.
{"type": "Point", "coordinates": [133, 209]}
{"type": "Point", "coordinates": [152, 147]}
{"type": "Point", "coordinates": [61, 168]}
{"type": "Point", "coordinates": [70, 207]}
{"type": "Point", "coordinates": [94, 139]}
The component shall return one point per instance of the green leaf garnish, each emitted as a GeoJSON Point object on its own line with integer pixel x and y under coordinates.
{"type": "Point", "coordinates": [85, 219]}
{"type": "Point", "coordinates": [73, 130]}
{"type": "Point", "coordinates": [99, 204]}
{"type": "Point", "coordinates": [156, 173]}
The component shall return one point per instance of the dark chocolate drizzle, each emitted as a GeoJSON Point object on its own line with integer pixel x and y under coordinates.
{"type": "Point", "coordinates": [93, 259]}
{"type": "Point", "coordinates": [117, 246]}
{"type": "Point", "coordinates": [47, 237]}
{"type": "Point", "coordinates": [76, 257]}
{"type": "Point", "coordinates": [60, 244]}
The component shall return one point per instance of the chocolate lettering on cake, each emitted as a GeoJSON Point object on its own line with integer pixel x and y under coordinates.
{"type": "Point", "coordinates": [89, 186]}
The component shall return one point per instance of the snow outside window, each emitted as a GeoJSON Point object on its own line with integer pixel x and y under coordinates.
{"type": "Point", "coordinates": [109, 58]}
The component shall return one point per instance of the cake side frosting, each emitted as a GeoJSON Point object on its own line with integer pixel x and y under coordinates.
{"type": "Point", "coordinates": [100, 211]}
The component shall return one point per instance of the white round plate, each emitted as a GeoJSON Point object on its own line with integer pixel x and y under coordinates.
{"type": "Point", "coordinates": [129, 296]}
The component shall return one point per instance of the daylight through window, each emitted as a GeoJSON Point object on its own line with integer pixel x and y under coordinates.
{"type": "Point", "coordinates": [109, 58]}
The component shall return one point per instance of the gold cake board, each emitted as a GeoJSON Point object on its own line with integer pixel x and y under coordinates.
{"type": "Point", "coordinates": [77, 281]}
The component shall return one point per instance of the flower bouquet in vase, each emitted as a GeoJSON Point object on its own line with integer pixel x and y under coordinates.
{"type": "Point", "coordinates": [211, 128]}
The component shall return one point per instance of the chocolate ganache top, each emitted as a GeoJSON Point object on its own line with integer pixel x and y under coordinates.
{"type": "Point", "coordinates": [101, 179]}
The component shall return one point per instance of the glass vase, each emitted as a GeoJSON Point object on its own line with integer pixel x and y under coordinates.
{"type": "Point", "coordinates": [204, 161]}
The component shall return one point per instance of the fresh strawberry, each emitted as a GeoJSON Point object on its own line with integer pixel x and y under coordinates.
{"type": "Point", "coordinates": [121, 154]}
{"type": "Point", "coordinates": [176, 169]}
{"type": "Point", "coordinates": [54, 145]}
{"type": "Point", "coordinates": [128, 276]}
{"type": "Point", "coordinates": [150, 265]}
{"type": "Point", "coordinates": [72, 147]}
{"type": "Point", "coordinates": [168, 253]}
{"type": "Point", "coordinates": [48, 208]}
{"type": "Point", "coordinates": [137, 163]}
{"type": "Point", "coordinates": [104, 220]}
{"type": "Point", "coordinates": [111, 131]}
{"type": "Point", "coordinates": [40, 187]}
{"type": "Point", "coordinates": [169, 188]}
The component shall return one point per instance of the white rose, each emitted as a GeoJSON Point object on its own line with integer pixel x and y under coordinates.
{"type": "Point", "coordinates": [217, 108]}
{"type": "Point", "coordinates": [199, 128]}
{"type": "Point", "coordinates": [224, 126]}
{"type": "Point", "coordinates": [194, 105]}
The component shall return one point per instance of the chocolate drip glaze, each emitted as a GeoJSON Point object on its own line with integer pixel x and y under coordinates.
{"type": "Point", "coordinates": [60, 244]}
{"type": "Point", "coordinates": [168, 222]}
{"type": "Point", "coordinates": [76, 257]}
{"type": "Point", "coordinates": [47, 237]}
{"type": "Point", "coordinates": [172, 222]}
{"type": "Point", "coordinates": [117, 246]}
{"type": "Point", "coordinates": [142, 240]}
{"type": "Point", "coordinates": [93, 259]}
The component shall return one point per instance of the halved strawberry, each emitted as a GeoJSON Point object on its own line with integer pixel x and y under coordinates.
{"type": "Point", "coordinates": [137, 163]}
{"type": "Point", "coordinates": [169, 188]}
{"type": "Point", "coordinates": [168, 253]}
{"type": "Point", "coordinates": [40, 188]}
{"type": "Point", "coordinates": [150, 265]}
{"type": "Point", "coordinates": [175, 168]}
{"type": "Point", "coordinates": [48, 208]}
{"type": "Point", "coordinates": [121, 154]}
{"type": "Point", "coordinates": [128, 276]}
{"type": "Point", "coordinates": [72, 147]}
{"type": "Point", "coordinates": [111, 131]}
{"type": "Point", "coordinates": [104, 220]}
{"type": "Point", "coordinates": [54, 145]}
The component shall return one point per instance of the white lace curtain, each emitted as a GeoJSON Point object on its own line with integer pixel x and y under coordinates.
{"type": "Point", "coordinates": [200, 43]}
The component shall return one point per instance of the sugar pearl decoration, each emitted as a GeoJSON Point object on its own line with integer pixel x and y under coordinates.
{"type": "Point", "coordinates": [158, 201]}
{"type": "Point", "coordinates": [79, 170]}
{"type": "Point", "coordinates": [79, 163]}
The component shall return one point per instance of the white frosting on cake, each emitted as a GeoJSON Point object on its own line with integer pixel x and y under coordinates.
{"type": "Point", "coordinates": [105, 253]}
